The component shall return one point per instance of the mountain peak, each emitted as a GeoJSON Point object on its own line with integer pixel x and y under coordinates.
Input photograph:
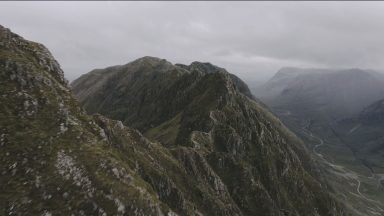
{"type": "Point", "coordinates": [205, 67]}
{"type": "Point", "coordinates": [202, 67]}
{"type": "Point", "coordinates": [149, 60]}
{"type": "Point", "coordinates": [149, 63]}
{"type": "Point", "coordinates": [13, 45]}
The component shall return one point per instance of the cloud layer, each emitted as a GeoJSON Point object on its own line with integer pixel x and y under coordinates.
{"type": "Point", "coordinates": [251, 39]}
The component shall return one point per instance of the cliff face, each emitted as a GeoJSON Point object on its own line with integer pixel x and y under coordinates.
{"type": "Point", "coordinates": [224, 139]}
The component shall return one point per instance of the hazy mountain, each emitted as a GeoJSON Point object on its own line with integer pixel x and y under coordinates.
{"type": "Point", "coordinates": [203, 115]}
{"type": "Point", "coordinates": [331, 100]}
{"type": "Point", "coordinates": [282, 80]}
{"type": "Point", "coordinates": [338, 93]}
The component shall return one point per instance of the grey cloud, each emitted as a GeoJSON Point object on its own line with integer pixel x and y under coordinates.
{"type": "Point", "coordinates": [251, 39]}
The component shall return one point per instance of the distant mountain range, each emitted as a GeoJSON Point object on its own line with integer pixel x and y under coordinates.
{"type": "Point", "coordinates": [339, 93]}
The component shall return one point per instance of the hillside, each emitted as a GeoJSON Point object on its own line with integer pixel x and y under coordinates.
{"type": "Point", "coordinates": [364, 133]}
{"type": "Point", "coordinates": [373, 114]}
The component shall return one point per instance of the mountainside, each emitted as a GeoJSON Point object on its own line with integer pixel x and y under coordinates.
{"type": "Point", "coordinates": [373, 114]}
{"type": "Point", "coordinates": [202, 113]}
{"type": "Point", "coordinates": [56, 160]}
{"type": "Point", "coordinates": [225, 154]}
{"type": "Point", "coordinates": [364, 133]}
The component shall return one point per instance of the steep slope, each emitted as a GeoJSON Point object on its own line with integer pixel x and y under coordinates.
{"type": "Point", "coordinates": [373, 114]}
{"type": "Point", "coordinates": [201, 113]}
{"type": "Point", "coordinates": [364, 133]}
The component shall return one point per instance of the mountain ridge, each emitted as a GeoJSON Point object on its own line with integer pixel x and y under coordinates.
{"type": "Point", "coordinates": [206, 113]}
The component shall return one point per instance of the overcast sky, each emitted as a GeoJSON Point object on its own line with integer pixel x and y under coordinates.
{"type": "Point", "coordinates": [250, 39]}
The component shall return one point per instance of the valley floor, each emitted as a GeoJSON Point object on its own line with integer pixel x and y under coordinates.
{"type": "Point", "coordinates": [355, 184]}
